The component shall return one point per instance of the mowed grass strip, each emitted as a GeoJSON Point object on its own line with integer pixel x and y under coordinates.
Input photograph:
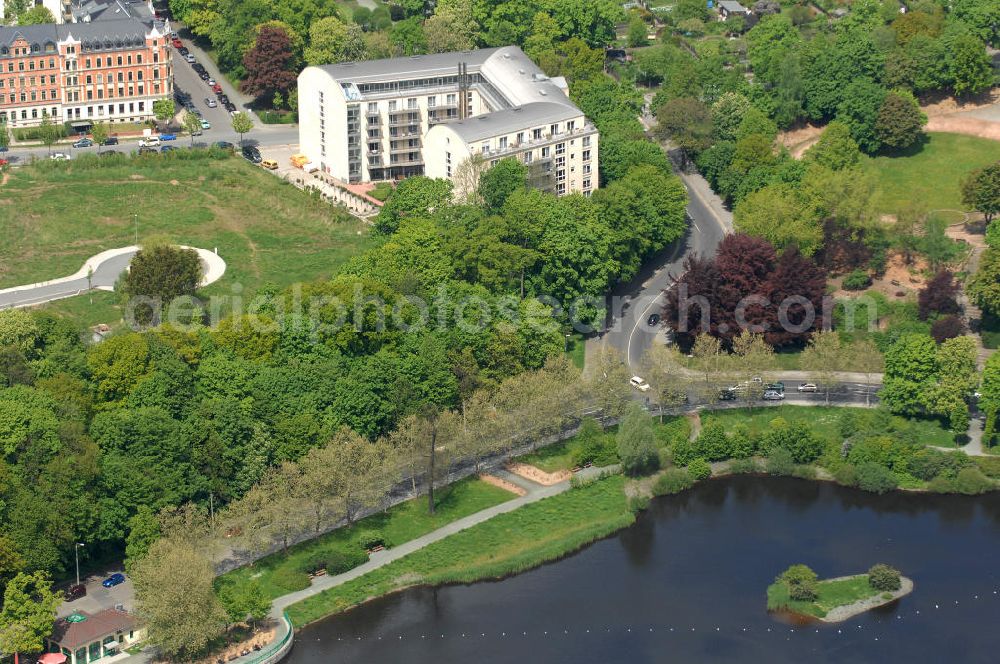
{"type": "Point", "coordinates": [830, 595]}
{"type": "Point", "coordinates": [53, 216]}
{"type": "Point", "coordinates": [931, 174]}
{"type": "Point", "coordinates": [397, 525]}
{"type": "Point", "coordinates": [506, 544]}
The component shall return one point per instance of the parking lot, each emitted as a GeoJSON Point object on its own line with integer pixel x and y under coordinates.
{"type": "Point", "coordinates": [187, 80]}
{"type": "Point", "coordinates": [98, 597]}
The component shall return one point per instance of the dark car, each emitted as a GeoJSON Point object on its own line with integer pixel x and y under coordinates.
{"type": "Point", "coordinates": [110, 140]}
{"type": "Point", "coordinates": [75, 592]}
{"type": "Point", "coordinates": [252, 154]}
{"type": "Point", "coordinates": [168, 148]}
{"type": "Point", "coordinates": [110, 153]}
{"type": "Point", "coordinates": [83, 143]}
{"type": "Point", "coordinates": [230, 106]}
{"type": "Point", "coordinates": [113, 580]}
{"type": "Point", "coordinates": [203, 75]}
{"type": "Point", "coordinates": [777, 387]}
{"type": "Point", "coordinates": [147, 150]}
{"type": "Point", "coordinates": [3, 148]}
{"type": "Point", "coordinates": [182, 50]}
{"type": "Point", "coordinates": [654, 319]}
{"type": "Point", "coordinates": [225, 145]}
{"type": "Point", "coordinates": [727, 395]}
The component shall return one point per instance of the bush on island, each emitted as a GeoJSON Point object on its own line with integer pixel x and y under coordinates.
{"type": "Point", "coordinates": [883, 577]}
{"type": "Point", "coordinates": [801, 582]}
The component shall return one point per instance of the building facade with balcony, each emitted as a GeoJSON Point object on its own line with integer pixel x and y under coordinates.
{"type": "Point", "coordinates": [426, 115]}
{"type": "Point", "coordinates": [110, 70]}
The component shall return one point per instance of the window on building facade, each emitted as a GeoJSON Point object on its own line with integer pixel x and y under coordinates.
{"type": "Point", "coordinates": [503, 142]}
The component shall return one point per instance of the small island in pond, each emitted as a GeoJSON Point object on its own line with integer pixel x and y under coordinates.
{"type": "Point", "coordinates": [798, 592]}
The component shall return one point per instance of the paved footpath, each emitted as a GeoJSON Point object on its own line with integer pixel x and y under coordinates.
{"type": "Point", "coordinates": [99, 272]}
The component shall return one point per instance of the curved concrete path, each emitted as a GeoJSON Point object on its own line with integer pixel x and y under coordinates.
{"type": "Point", "coordinates": [99, 272]}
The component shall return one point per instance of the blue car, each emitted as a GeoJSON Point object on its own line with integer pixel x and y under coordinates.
{"type": "Point", "coordinates": [167, 148]}
{"type": "Point", "coordinates": [113, 580]}
{"type": "Point", "coordinates": [168, 137]}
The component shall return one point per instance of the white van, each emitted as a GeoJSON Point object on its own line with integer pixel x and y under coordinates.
{"type": "Point", "coordinates": [150, 142]}
{"type": "Point", "coordinates": [639, 384]}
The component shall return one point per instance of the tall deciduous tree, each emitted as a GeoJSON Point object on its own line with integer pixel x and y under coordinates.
{"type": "Point", "coordinates": [981, 190]}
{"type": "Point", "coordinates": [331, 41]}
{"type": "Point", "coordinates": [163, 110]}
{"type": "Point", "coordinates": [835, 148]}
{"type": "Point", "coordinates": [499, 182]}
{"type": "Point", "coordinates": [29, 609]}
{"type": "Point", "coordinates": [823, 358]}
{"type": "Point", "coordinates": [989, 399]}
{"type": "Point", "coordinates": [269, 64]}
{"type": "Point", "coordinates": [939, 296]}
{"type": "Point", "coordinates": [900, 122]}
{"type": "Point", "coordinates": [984, 287]}
{"type": "Point", "coordinates": [687, 122]}
{"type": "Point", "coordinates": [175, 598]}
{"type": "Point", "coordinates": [161, 272]}
{"type": "Point", "coordinates": [242, 124]}
{"type": "Point", "coordinates": [636, 441]}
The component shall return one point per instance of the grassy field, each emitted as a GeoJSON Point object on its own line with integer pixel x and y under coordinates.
{"type": "Point", "coordinates": [575, 350]}
{"type": "Point", "coordinates": [506, 544]}
{"type": "Point", "coordinates": [399, 524]}
{"type": "Point", "coordinates": [934, 173]}
{"type": "Point", "coordinates": [824, 421]}
{"type": "Point", "coordinates": [831, 594]}
{"type": "Point", "coordinates": [55, 215]}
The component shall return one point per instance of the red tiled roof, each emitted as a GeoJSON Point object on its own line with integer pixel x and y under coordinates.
{"type": "Point", "coordinates": [73, 635]}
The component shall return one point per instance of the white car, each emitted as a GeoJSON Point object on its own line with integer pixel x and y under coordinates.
{"type": "Point", "coordinates": [807, 387]}
{"type": "Point", "coordinates": [639, 384]}
{"type": "Point", "coordinates": [773, 395]}
{"type": "Point", "coordinates": [150, 142]}
{"type": "Point", "coordinates": [189, 59]}
{"type": "Point", "coordinates": [59, 156]}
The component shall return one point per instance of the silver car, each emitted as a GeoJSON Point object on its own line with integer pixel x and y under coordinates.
{"type": "Point", "coordinates": [211, 103]}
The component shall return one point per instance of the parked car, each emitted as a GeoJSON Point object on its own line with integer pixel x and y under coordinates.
{"type": "Point", "coordinates": [777, 387]}
{"type": "Point", "coordinates": [196, 132]}
{"type": "Point", "coordinates": [189, 58]}
{"type": "Point", "coordinates": [773, 395]}
{"type": "Point", "coordinates": [177, 43]}
{"type": "Point", "coordinates": [59, 156]}
{"type": "Point", "coordinates": [183, 51]}
{"type": "Point", "coordinates": [150, 142]}
{"type": "Point", "coordinates": [225, 145]}
{"type": "Point", "coordinates": [639, 384]}
{"type": "Point", "coordinates": [4, 162]}
{"type": "Point", "coordinates": [211, 103]}
{"type": "Point", "coordinates": [203, 75]}
{"type": "Point", "coordinates": [4, 148]}
{"type": "Point", "coordinates": [728, 394]}
{"type": "Point", "coordinates": [168, 148]}
{"type": "Point", "coordinates": [110, 153]}
{"type": "Point", "coordinates": [269, 164]}
{"type": "Point", "coordinates": [211, 82]}
{"type": "Point", "coordinates": [143, 149]}
{"type": "Point", "coordinates": [230, 106]}
{"type": "Point", "coordinates": [216, 88]}
{"type": "Point", "coordinates": [110, 140]}
{"type": "Point", "coordinates": [807, 387]}
{"type": "Point", "coordinates": [205, 124]}
{"type": "Point", "coordinates": [173, 34]}
{"type": "Point", "coordinates": [168, 137]}
{"type": "Point", "coordinates": [83, 143]}
{"type": "Point", "coordinates": [75, 592]}
{"type": "Point", "coordinates": [113, 580]}
{"type": "Point", "coordinates": [252, 154]}
{"type": "Point", "coordinates": [653, 320]}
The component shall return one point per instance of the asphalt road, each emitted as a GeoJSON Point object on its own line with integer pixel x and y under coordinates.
{"type": "Point", "coordinates": [104, 276]}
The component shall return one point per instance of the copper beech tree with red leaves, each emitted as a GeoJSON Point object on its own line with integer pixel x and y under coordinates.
{"type": "Point", "coordinates": [747, 284]}
{"type": "Point", "coordinates": [939, 296]}
{"type": "Point", "coordinates": [270, 64]}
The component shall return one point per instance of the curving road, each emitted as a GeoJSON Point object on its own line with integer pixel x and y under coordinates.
{"type": "Point", "coordinates": [99, 272]}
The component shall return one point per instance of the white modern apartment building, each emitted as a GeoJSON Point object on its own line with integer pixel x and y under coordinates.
{"type": "Point", "coordinates": [427, 114]}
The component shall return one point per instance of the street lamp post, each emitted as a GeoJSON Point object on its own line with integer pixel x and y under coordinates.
{"type": "Point", "coordinates": [76, 554]}
{"type": "Point", "coordinates": [135, 217]}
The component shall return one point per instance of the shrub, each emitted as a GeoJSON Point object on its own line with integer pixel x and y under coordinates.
{"type": "Point", "coordinates": [972, 482]}
{"type": "Point", "coordinates": [780, 462]}
{"type": "Point", "coordinates": [741, 442]}
{"type": "Point", "coordinates": [927, 463]}
{"type": "Point", "coordinates": [857, 280]}
{"type": "Point", "coordinates": [699, 469]}
{"type": "Point", "coordinates": [372, 539]}
{"type": "Point", "coordinates": [990, 466]}
{"type": "Point", "coordinates": [712, 443]}
{"type": "Point", "coordinates": [797, 438]}
{"type": "Point", "coordinates": [875, 478]}
{"type": "Point", "coordinates": [338, 562]}
{"type": "Point", "coordinates": [846, 475]}
{"type": "Point", "coordinates": [671, 481]}
{"type": "Point", "coordinates": [290, 579]}
{"type": "Point", "coordinates": [684, 452]}
{"type": "Point", "coordinates": [947, 327]}
{"type": "Point", "coordinates": [883, 577]}
{"type": "Point", "coordinates": [743, 467]}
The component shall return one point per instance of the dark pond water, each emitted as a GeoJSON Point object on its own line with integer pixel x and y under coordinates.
{"type": "Point", "coordinates": [687, 583]}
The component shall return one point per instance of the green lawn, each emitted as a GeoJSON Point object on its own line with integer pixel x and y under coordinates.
{"type": "Point", "coordinates": [55, 215]}
{"type": "Point", "coordinates": [399, 524]}
{"type": "Point", "coordinates": [506, 544]}
{"type": "Point", "coordinates": [824, 421]}
{"type": "Point", "coordinates": [934, 173]}
{"type": "Point", "coordinates": [575, 349]}
{"type": "Point", "coordinates": [831, 594]}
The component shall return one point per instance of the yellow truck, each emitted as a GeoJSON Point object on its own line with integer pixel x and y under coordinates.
{"type": "Point", "coordinates": [299, 160]}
